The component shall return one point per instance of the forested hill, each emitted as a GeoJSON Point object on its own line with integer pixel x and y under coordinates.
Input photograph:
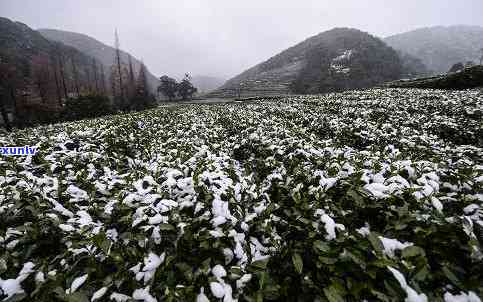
{"type": "Point", "coordinates": [30, 60]}
{"type": "Point", "coordinates": [334, 60]}
{"type": "Point", "coordinates": [440, 47]}
{"type": "Point", "coordinates": [92, 47]}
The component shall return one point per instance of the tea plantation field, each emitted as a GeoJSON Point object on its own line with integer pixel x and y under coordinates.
{"type": "Point", "coordinates": [358, 196]}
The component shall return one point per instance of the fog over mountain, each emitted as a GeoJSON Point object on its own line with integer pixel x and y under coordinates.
{"type": "Point", "coordinates": [222, 38]}
{"type": "Point", "coordinates": [440, 47]}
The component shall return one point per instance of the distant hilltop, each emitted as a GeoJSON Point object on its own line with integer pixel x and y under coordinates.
{"type": "Point", "coordinates": [335, 60]}
{"type": "Point", "coordinates": [441, 47]}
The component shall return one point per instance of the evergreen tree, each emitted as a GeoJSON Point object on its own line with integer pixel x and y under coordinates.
{"type": "Point", "coordinates": [76, 76]}
{"type": "Point", "coordinates": [40, 67]}
{"type": "Point", "coordinates": [142, 85]}
{"type": "Point", "coordinates": [132, 81]}
{"type": "Point", "coordinates": [168, 87]}
{"type": "Point", "coordinates": [55, 71]}
{"type": "Point", "coordinates": [119, 71]}
{"type": "Point", "coordinates": [95, 71]}
{"type": "Point", "coordinates": [143, 98]}
{"type": "Point", "coordinates": [60, 62]}
{"type": "Point", "coordinates": [103, 80]}
{"type": "Point", "coordinates": [186, 89]}
{"type": "Point", "coordinates": [119, 75]}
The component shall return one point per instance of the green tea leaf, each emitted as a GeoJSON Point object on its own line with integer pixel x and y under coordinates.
{"type": "Point", "coordinates": [297, 263]}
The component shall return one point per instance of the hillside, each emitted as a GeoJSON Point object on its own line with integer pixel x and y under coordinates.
{"type": "Point", "coordinates": [468, 78]}
{"type": "Point", "coordinates": [26, 50]}
{"type": "Point", "coordinates": [19, 44]}
{"type": "Point", "coordinates": [335, 60]}
{"type": "Point", "coordinates": [92, 47]}
{"type": "Point", "coordinates": [441, 47]}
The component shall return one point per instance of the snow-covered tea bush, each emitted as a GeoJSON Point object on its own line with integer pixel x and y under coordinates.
{"type": "Point", "coordinates": [373, 195]}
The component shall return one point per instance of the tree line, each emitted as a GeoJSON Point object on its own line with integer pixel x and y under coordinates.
{"type": "Point", "coordinates": [173, 90]}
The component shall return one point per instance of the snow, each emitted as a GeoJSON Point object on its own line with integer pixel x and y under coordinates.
{"type": "Point", "coordinates": [119, 297]}
{"type": "Point", "coordinates": [412, 295]}
{"type": "Point", "coordinates": [217, 289]}
{"type": "Point", "coordinates": [99, 294]}
{"type": "Point", "coordinates": [112, 234]}
{"type": "Point", "coordinates": [40, 277]}
{"type": "Point", "coordinates": [27, 269]}
{"type": "Point", "coordinates": [84, 218]}
{"type": "Point", "coordinates": [462, 297]}
{"type": "Point", "coordinates": [66, 227]}
{"type": "Point", "coordinates": [219, 272]}
{"type": "Point", "coordinates": [76, 193]}
{"type": "Point", "coordinates": [391, 245]}
{"type": "Point", "coordinates": [190, 179]}
{"type": "Point", "coordinates": [228, 253]}
{"type": "Point", "coordinates": [201, 296]}
{"type": "Point", "coordinates": [257, 250]}
{"type": "Point", "coordinates": [240, 283]}
{"type": "Point", "coordinates": [11, 287]}
{"type": "Point", "coordinates": [144, 295]}
{"type": "Point", "coordinates": [157, 219]}
{"type": "Point", "coordinates": [151, 263]}
{"type": "Point", "coordinates": [471, 208]}
{"type": "Point", "coordinates": [218, 220]}
{"type": "Point", "coordinates": [76, 284]}
{"type": "Point", "coordinates": [340, 63]}
{"type": "Point", "coordinates": [218, 233]}
{"type": "Point", "coordinates": [364, 231]}
{"type": "Point", "coordinates": [59, 208]}
{"type": "Point", "coordinates": [325, 182]}
{"type": "Point", "coordinates": [228, 297]}
{"type": "Point", "coordinates": [330, 225]}
{"type": "Point", "coordinates": [378, 190]}
{"type": "Point", "coordinates": [437, 204]}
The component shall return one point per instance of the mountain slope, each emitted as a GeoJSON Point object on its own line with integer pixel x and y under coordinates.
{"type": "Point", "coordinates": [34, 59]}
{"type": "Point", "coordinates": [471, 77]}
{"type": "Point", "coordinates": [334, 60]}
{"type": "Point", "coordinates": [19, 44]}
{"type": "Point", "coordinates": [440, 47]}
{"type": "Point", "coordinates": [92, 47]}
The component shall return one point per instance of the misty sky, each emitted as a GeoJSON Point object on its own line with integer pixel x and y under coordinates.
{"type": "Point", "coordinates": [224, 37]}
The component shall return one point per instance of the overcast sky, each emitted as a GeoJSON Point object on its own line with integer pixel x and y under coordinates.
{"type": "Point", "coordinates": [224, 37]}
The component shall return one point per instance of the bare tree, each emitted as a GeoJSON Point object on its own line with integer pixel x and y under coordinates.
{"type": "Point", "coordinates": [3, 111]}
{"type": "Point", "coordinates": [10, 82]}
{"type": "Point", "coordinates": [76, 76]}
{"type": "Point", "coordinates": [142, 85]}
{"type": "Point", "coordinates": [103, 80]}
{"type": "Point", "coordinates": [96, 76]}
{"type": "Point", "coordinates": [87, 70]}
{"type": "Point", "coordinates": [60, 58]}
{"type": "Point", "coordinates": [118, 62]}
{"type": "Point", "coordinates": [55, 68]}
{"type": "Point", "coordinates": [41, 76]}
{"type": "Point", "coordinates": [132, 81]}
